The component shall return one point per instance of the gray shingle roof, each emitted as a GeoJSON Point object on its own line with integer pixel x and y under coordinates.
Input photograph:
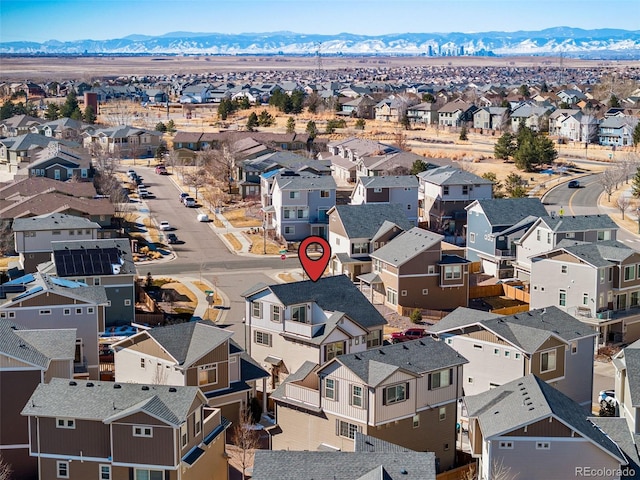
{"type": "Point", "coordinates": [509, 211]}
{"type": "Point", "coordinates": [367, 443]}
{"type": "Point", "coordinates": [187, 342]}
{"type": "Point", "coordinates": [103, 400]}
{"type": "Point", "coordinates": [52, 221]}
{"type": "Point", "coordinates": [363, 221]}
{"type": "Point", "coordinates": [12, 344]}
{"type": "Point", "coordinates": [305, 182]}
{"type": "Point", "coordinates": [527, 400]}
{"type": "Point", "coordinates": [449, 175]}
{"type": "Point", "coordinates": [417, 356]}
{"type": "Point", "coordinates": [57, 344]}
{"type": "Point", "coordinates": [527, 330]}
{"type": "Point", "coordinates": [632, 362]}
{"type": "Point", "coordinates": [618, 430]}
{"type": "Point", "coordinates": [406, 246]}
{"type": "Point", "coordinates": [390, 181]}
{"type": "Point", "coordinates": [599, 254]}
{"type": "Point", "coordinates": [336, 294]}
{"type": "Point", "coordinates": [291, 465]}
{"type": "Point", "coordinates": [579, 223]}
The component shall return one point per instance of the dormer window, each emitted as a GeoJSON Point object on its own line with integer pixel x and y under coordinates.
{"type": "Point", "coordinates": [299, 313]}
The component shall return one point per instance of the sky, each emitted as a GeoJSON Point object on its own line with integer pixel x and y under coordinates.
{"type": "Point", "coordinates": [66, 20]}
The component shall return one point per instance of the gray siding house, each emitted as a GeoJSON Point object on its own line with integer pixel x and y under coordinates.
{"type": "Point", "coordinates": [402, 190]}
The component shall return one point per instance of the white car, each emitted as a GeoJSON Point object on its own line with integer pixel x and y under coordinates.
{"type": "Point", "coordinates": [164, 225]}
{"type": "Point", "coordinates": [189, 202]}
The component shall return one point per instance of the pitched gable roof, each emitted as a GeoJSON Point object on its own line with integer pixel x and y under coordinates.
{"type": "Point", "coordinates": [509, 211]}
{"type": "Point", "coordinates": [363, 221]}
{"type": "Point", "coordinates": [578, 223]}
{"type": "Point", "coordinates": [449, 175]}
{"type": "Point", "coordinates": [389, 181]}
{"type": "Point", "coordinates": [406, 246]}
{"type": "Point", "coordinates": [27, 345]}
{"type": "Point", "coordinates": [599, 254]}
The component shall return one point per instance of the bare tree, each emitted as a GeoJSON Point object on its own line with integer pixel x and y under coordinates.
{"type": "Point", "coordinates": [499, 471]}
{"type": "Point", "coordinates": [223, 165]}
{"type": "Point", "coordinates": [247, 439]}
{"type": "Point", "coordinates": [119, 112]}
{"type": "Point", "coordinates": [196, 180]}
{"type": "Point", "coordinates": [161, 375]}
{"type": "Point", "coordinates": [5, 470]}
{"type": "Point", "coordinates": [400, 140]}
{"type": "Point", "coordinates": [608, 179]}
{"type": "Point", "coordinates": [623, 203]}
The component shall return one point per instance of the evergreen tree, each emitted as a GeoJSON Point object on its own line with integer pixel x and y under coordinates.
{"type": "Point", "coordinates": [89, 115]}
{"type": "Point", "coordinates": [161, 127]}
{"type": "Point", "coordinates": [427, 97]}
{"type": "Point", "coordinates": [6, 111]}
{"type": "Point", "coordinates": [614, 102]}
{"type": "Point", "coordinates": [636, 135]}
{"type": "Point", "coordinates": [265, 119]}
{"type": "Point", "coordinates": [418, 166]}
{"type": "Point", "coordinates": [497, 185]}
{"type": "Point", "coordinates": [404, 121]}
{"type": "Point", "coordinates": [171, 126]}
{"type": "Point", "coordinates": [52, 112]}
{"type": "Point", "coordinates": [514, 186]}
{"type": "Point", "coordinates": [291, 125]}
{"type": "Point", "coordinates": [635, 184]}
{"type": "Point", "coordinates": [505, 147]}
{"type": "Point", "coordinates": [312, 129]}
{"type": "Point", "coordinates": [297, 101]}
{"type": "Point", "coordinates": [463, 133]}
{"type": "Point", "coordinates": [360, 124]}
{"type": "Point", "coordinates": [161, 151]}
{"type": "Point", "coordinates": [243, 103]}
{"type": "Point", "coordinates": [252, 122]}
{"type": "Point", "coordinates": [70, 106]}
{"type": "Point", "coordinates": [524, 90]}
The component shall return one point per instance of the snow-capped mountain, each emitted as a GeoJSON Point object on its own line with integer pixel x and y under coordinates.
{"type": "Point", "coordinates": [554, 41]}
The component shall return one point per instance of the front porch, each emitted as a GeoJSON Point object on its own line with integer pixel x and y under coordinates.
{"type": "Point", "coordinates": [613, 326]}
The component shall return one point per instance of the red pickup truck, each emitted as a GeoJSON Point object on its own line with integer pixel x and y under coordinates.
{"type": "Point", "coordinates": [408, 334]}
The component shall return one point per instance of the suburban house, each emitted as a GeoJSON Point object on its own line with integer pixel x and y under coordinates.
{"type": "Point", "coordinates": [627, 395]}
{"type": "Point", "coordinates": [527, 427]}
{"type": "Point", "coordinates": [491, 118]}
{"type": "Point", "coordinates": [443, 194]}
{"type": "Point", "coordinates": [27, 358]}
{"type": "Point", "coordinates": [17, 152]}
{"type": "Point", "coordinates": [82, 429]}
{"type": "Point", "coordinates": [61, 163]}
{"type": "Point", "coordinates": [392, 108]}
{"type": "Point", "coordinates": [38, 301]}
{"type": "Point", "coordinates": [406, 394]}
{"type": "Point", "coordinates": [532, 116]}
{"type": "Point", "coordinates": [598, 283]}
{"type": "Point", "coordinates": [412, 271]}
{"type": "Point", "coordinates": [357, 230]}
{"type": "Point", "coordinates": [23, 189]}
{"type": "Point", "coordinates": [288, 465]}
{"type": "Point", "coordinates": [402, 190]}
{"type": "Point", "coordinates": [196, 354]}
{"type": "Point", "coordinates": [617, 131]}
{"type": "Point", "coordinates": [360, 107]}
{"type": "Point", "coordinates": [547, 342]}
{"type": "Point", "coordinates": [346, 154]}
{"type": "Point", "coordinates": [548, 231]}
{"type": "Point", "coordinates": [493, 226]}
{"type": "Point", "coordinates": [106, 262]}
{"type": "Point", "coordinates": [18, 125]}
{"type": "Point", "coordinates": [300, 205]}
{"type": "Point", "coordinates": [423, 113]}
{"type": "Point", "coordinates": [33, 236]}
{"type": "Point", "coordinates": [396, 163]}
{"type": "Point", "coordinates": [124, 140]}
{"type": "Point", "coordinates": [292, 323]}
{"type": "Point", "coordinates": [456, 113]}
{"type": "Point", "coordinates": [62, 128]}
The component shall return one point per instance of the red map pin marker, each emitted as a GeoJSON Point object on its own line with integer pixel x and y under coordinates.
{"type": "Point", "coordinates": [314, 267]}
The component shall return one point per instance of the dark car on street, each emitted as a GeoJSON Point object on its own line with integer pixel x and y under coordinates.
{"type": "Point", "coordinates": [574, 184]}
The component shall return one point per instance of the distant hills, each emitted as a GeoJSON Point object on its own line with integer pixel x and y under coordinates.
{"type": "Point", "coordinates": [573, 42]}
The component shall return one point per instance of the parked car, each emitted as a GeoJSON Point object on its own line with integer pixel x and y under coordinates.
{"type": "Point", "coordinates": [183, 196]}
{"type": "Point", "coordinates": [131, 173]}
{"type": "Point", "coordinates": [607, 397]}
{"type": "Point", "coordinates": [189, 202]}
{"type": "Point", "coordinates": [164, 226]}
{"type": "Point", "coordinates": [574, 184]}
{"type": "Point", "coordinates": [161, 170]}
{"type": "Point", "coordinates": [408, 334]}
{"type": "Point", "coordinates": [143, 193]}
{"type": "Point", "coordinates": [203, 217]}
{"type": "Point", "coordinates": [172, 238]}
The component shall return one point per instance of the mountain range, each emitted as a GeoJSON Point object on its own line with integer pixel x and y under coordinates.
{"type": "Point", "coordinates": [574, 42]}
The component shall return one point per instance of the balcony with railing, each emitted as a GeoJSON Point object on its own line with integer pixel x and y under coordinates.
{"type": "Point", "coordinates": [505, 254]}
{"type": "Point", "coordinates": [304, 329]}
{"type": "Point", "coordinates": [303, 395]}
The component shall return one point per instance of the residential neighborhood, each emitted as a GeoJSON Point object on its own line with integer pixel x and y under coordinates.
{"type": "Point", "coordinates": [476, 233]}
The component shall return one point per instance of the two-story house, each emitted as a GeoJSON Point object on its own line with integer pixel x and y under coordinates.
{"type": "Point", "coordinates": [124, 140]}
{"type": "Point", "coordinates": [548, 231]}
{"type": "Point", "coordinates": [412, 271]}
{"type": "Point", "coordinates": [493, 225]}
{"type": "Point", "coordinates": [443, 194]}
{"type": "Point", "coordinates": [405, 394]}
{"type": "Point", "coordinates": [300, 204]}
{"type": "Point", "coordinates": [27, 358]}
{"type": "Point", "coordinates": [295, 322]}
{"type": "Point", "coordinates": [61, 163]}
{"type": "Point", "coordinates": [528, 428]}
{"type": "Point", "coordinates": [33, 236]}
{"type": "Point", "coordinates": [598, 283]}
{"type": "Point", "coordinates": [82, 429]}
{"type": "Point", "coordinates": [456, 113]}
{"type": "Point", "coordinates": [491, 118]}
{"type": "Point", "coordinates": [617, 131]}
{"type": "Point", "coordinates": [402, 190]}
{"type": "Point", "coordinates": [547, 342]}
{"type": "Point", "coordinates": [357, 230]}
{"type": "Point", "coordinates": [425, 113]}
{"type": "Point", "coordinates": [39, 301]}
{"type": "Point", "coordinates": [16, 152]}
{"type": "Point", "coordinates": [532, 116]}
{"type": "Point", "coordinates": [196, 354]}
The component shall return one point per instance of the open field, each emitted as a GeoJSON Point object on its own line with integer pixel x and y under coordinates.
{"type": "Point", "coordinates": [90, 68]}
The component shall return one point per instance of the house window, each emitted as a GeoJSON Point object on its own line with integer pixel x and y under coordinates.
{"type": "Point", "coordinates": [146, 474]}
{"type": "Point", "coordinates": [299, 313]}
{"type": "Point", "coordinates": [78, 311]}
{"type": "Point", "coordinates": [330, 388]}
{"type": "Point", "coordinates": [602, 275]}
{"type": "Point", "coordinates": [431, 269]}
{"type": "Point", "coordinates": [465, 189]}
{"type": "Point", "coordinates": [496, 351]}
{"type": "Point", "coordinates": [197, 421]}
{"type": "Point", "coordinates": [543, 446]}
{"type": "Point", "coordinates": [442, 413]}
{"type": "Point", "coordinates": [392, 296]}
{"type": "Point", "coordinates": [256, 309]}
{"type": "Point", "coordinates": [276, 313]}
{"type": "Point", "coordinates": [547, 361]}
{"type": "Point", "coordinates": [574, 348]}
{"type": "Point", "coordinates": [507, 354]}
{"type": "Point", "coordinates": [184, 435]}
{"type": "Point", "coordinates": [62, 469]}
{"type": "Point", "coordinates": [55, 232]}
{"type": "Point", "coordinates": [45, 312]}
{"type": "Point", "coordinates": [629, 273]}
{"type": "Point", "coordinates": [69, 423]}
{"type": "Point", "coordinates": [562, 299]}
{"type": "Point", "coordinates": [207, 374]}
{"type": "Point", "coordinates": [294, 194]}
{"type": "Point", "coordinates": [477, 346]}
{"type": "Point", "coordinates": [635, 299]}
{"type": "Point", "coordinates": [395, 394]}
{"type": "Point", "coordinates": [289, 230]}
{"type": "Point", "coordinates": [440, 379]}
{"type": "Point", "coordinates": [517, 356]}
{"type": "Point", "coordinates": [472, 237]}
{"type": "Point", "coordinates": [140, 431]}
{"type": "Point", "coordinates": [357, 393]}
{"type": "Point", "coordinates": [324, 194]}
{"type": "Point", "coordinates": [507, 445]}
{"type": "Point", "coordinates": [96, 281]}
{"type": "Point", "coordinates": [452, 272]}
{"type": "Point", "coordinates": [142, 363]}
{"type": "Point", "coordinates": [549, 238]}
{"type": "Point", "coordinates": [359, 248]}
{"type": "Point", "coordinates": [611, 274]}
{"type": "Point", "coordinates": [347, 430]}
{"type": "Point", "coordinates": [563, 269]}
{"type": "Point", "coordinates": [416, 420]}
{"type": "Point", "coordinates": [445, 190]}
{"type": "Point", "coordinates": [377, 190]}
{"type": "Point", "coordinates": [105, 472]}
{"type": "Point", "coordinates": [604, 235]}
{"type": "Point", "coordinates": [66, 311]}
{"type": "Point", "coordinates": [373, 338]}
{"type": "Point", "coordinates": [332, 350]}
{"type": "Point", "coordinates": [262, 338]}
{"type": "Point", "coordinates": [89, 310]}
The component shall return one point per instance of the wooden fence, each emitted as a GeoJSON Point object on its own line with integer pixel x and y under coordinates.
{"type": "Point", "coordinates": [511, 310]}
{"type": "Point", "coordinates": [475, 267]}
{"type": "Point", "coordinates": [152, 319]}
{"type": "Point", "coordinates": [481, 291]}
{"type": "Point", "coordinates": [426, 313]}
{"type": "Point", "coordinates": [516, 294]}
{"type": "Point", "coordinates": [461, 473]}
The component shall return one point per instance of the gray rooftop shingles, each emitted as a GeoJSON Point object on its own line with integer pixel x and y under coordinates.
{"type": "Point", "coordinates": [509, 211]}
{"type": "Point", "coordinates": [390, 181]}
{"type": "Point", "coordinates": [363, 221]}
{"type": "Point", "coordinates": [53, 221]}
{"type": "Point", "coordinates": [406, 246]}
{"type": "Point", "coordinates": [579, 223]}
{"type": "Point", "coordinates": [449, 175]}
{"type": "Point", "coordinates": [618, 430]}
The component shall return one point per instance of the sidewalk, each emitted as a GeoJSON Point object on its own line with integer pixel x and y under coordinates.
{"type": "Point", "coordinates": [202, 310]}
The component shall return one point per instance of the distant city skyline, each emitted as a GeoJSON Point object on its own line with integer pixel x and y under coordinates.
{"type": "Point", "coordinates": [67, 20]}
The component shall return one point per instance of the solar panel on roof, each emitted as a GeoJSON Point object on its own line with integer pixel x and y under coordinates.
{"type": "Point", "coordinates": [66, 283]}
{"type": "Point", "coordinates": [91, 261]}
{"type": "Point", "coordinates": [21, 280]}
{"type": "Point", "coordinates": [29, 292]}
